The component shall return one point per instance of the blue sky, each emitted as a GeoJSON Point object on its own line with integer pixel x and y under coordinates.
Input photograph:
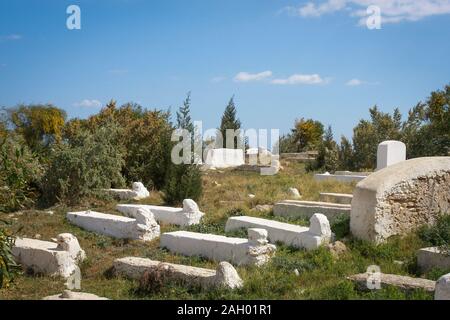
{"type": "Point", "coordinates": [281, 59]}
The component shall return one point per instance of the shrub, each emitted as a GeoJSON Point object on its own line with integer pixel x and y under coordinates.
{"type": "Point", "coordinates": [8, 267]}
{"type": "Point", "coordinates": [341, 227]}
{"type": "Point", "coordinates": [438, 234]}
{"type": "Point", "coordinates": [87, 162]}
{"type": "Point", "coordinates": [19, 173]}
{"type": "Point", "coordinates": [145, 138]}
{"type": "Point", "coordinates": [154, 279]}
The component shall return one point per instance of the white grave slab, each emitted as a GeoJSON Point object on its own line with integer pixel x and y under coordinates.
{"type": "Point", "coordinates": [58, 258]}
{"type": "Point", "coordinates": [224, 276]}
{"type": "Point", "coordinates": [433, 257]}
{"type": "Point", "coordinates": [306, 209]}
{"type": "Point", "coordinates": [341, 198]}
{"type": "Point", "coordinates": [348, 178]}
{"type": "Point", "coordinates": [404, 283]}
{"type": "Point", "coordinates": [252, 251]}
{"type": "Point", "coordinates": [142, 227]}
{"type": "Point", "coordinates": [188, 215]}
{"type": "Point", "coordinates": [389, 153]}
{"type": "Point", "coordinates": [297, 236]}
{"type": "Point", "coordinates": [225, 158]}
{"type": "Point", "coordinates": [138, 192]}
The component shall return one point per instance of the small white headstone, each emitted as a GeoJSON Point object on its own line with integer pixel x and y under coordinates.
{"type": "Point", "coordinates": [294, 193]}
{"type": "Point", "coordinates": [389, 153]}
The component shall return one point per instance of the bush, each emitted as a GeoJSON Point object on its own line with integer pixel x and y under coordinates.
{"type": "Point", "coordinates": [438, 234]}
{"type": "Point", "coordinates": [144, 136]}
{"type": "Point", "coordinates": [8, 267]}
{"type": "Point", "coordinates": [184, 182]}
{"type": "Point", "coordinates": [20, 172]}
{"type": "Point", "coordinates": [155, 279]}
{"type": "Point", "coordinates": [87, 162]}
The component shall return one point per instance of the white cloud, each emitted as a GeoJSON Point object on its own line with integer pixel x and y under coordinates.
{"type": "Point", "coordinates": [357, 82]}
{"type": "Point", "coordinates": [88, 103]}
{"type": "Point", "coordinates": [247, 77]}
{"type": "Point", "coordinates": [301, 79]}
{"type": "Point", "coordinates": [313, 10]}
{"type": "Point", "coordinates": [354, 82]}
{"type": "Point", "coordinates": [217, 79]}
{"type": "Point", "coordinates": [10, 37]}
{"type": "Point", "coordinates": [392, 11]}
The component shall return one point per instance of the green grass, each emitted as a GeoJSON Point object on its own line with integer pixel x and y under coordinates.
{"type": "Point", "coordinates": [320, 275]}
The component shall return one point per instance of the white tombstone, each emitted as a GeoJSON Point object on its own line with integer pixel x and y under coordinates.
{"type": "Point", "coordinates": [443, 288]}
{"type": "Point", "coordinates": [190, 214]}
{"type": "Point", "coordinates": [225, 158]}
{"type": "Point", "coordinates": [239, 251]}
{"type": "Point", "coordinates": [57, 258]}
{"type": "Point", "coordinates": [225, 274]}
{"type": "Point", "coordinates": [300, 237]}
{"type": "Point", "coordinates": [142, 226]}
{"type": "Point", "coordinates": [389, 153]}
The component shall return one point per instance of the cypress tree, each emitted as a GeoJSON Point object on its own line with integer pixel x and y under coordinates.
{"type": "Point", "coordinates": [229, 121]}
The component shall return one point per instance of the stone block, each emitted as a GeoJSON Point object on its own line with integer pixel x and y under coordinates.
{"type": "Point", "coordinates": [400, 198]}
{"type": "Point", "coordinates": [142, 227]}
{"type": "Point", "coordinates": [389, 153]}
{"type": "Point", "coordinates": [186, 216]}
{"type": "Point", "coordinates": [306, 209]}
{"type": "Point", "coordinates": [297, 236]}
{"type": "Point", "coordinates": [57, 258]}
{"type": "Point", "coordinates": [224, 276]}
{"type": "Point", "coordinates": [238, 251]}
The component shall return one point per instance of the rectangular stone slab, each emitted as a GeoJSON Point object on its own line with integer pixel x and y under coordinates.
{"type": "Point", "coordinates": [289, 234]}
{"type": "Point", "coordinates": [215, 247]}
{"type": "Point", "coordinates": [402, 282]}
{"type": "Point", "coordinates": [341, 198]}
{"type": "Point", "coordinates": [167, 215]}
{"type": "Point", "coordinates": [305, 209]}
{"type": "Point", "coordinates": [110, 225]}
{"type": "Point", "coordinates": [135, 268]}
{"type": "Point", "coordinates": [338, 177]}
{"type": "Point", "coordinates": [352, 173]}
{"type": "Point", "coordinates": [429, 258]}
{"type": "Point", "coordinates": [43, 257]}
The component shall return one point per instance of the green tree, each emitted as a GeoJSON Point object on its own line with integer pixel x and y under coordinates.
{"type": "Point", "coordinates": [345, 154]}
{"type": "Point", "coordinates": [307, 134]}
{"type": "Point", "coordinates": [184, 120]}
{"type": "Point", "coordinates": [369, 133]}
{"type": "Point", "coordinates": [229, 121]}
{"type": "Point", "coordinates": [328, 155]}
{"type": "Point", "coordinates": [184, 180]}
{"type": "Point", "coordinates": [40, 125]}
